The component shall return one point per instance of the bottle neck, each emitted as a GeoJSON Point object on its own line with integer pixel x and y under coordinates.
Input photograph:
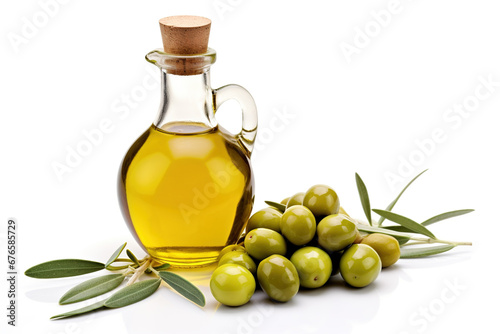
{"type": "Point", "coordinates": [186, 103]}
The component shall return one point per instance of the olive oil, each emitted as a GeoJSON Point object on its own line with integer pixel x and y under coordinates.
{"type": "Point", "coordinates": [186, 194]}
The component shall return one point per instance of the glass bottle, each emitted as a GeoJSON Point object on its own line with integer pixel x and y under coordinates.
{"type": "Point", "coordinates": [186, 186]}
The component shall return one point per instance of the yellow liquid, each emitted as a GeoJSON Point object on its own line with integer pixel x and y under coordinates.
{"type": "Point", "coordinates": [186, 196]}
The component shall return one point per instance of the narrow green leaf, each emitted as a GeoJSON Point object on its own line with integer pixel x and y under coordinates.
{"type": "Point", "coordinates": [402, 240]}
{"type": "Point", "coordinates": [279, 206]}
{"type": "Point", "coordinates": [162, 267]}
{"type": "Point", "coordinates": [115, 254]}
{"type": "Point", "coordinates": [446, 215]}
{"type": "Point", "coordinates": [133, 293]}
{"type": "Point", "coordinates": [115, 268]}
{"type": "Point", "coordinates": [132, 257]}
{"type": "Point", "coordinates": [92, 288]}
{"type": "Point", "coordinates": [413, 252]}
{"type": "Point", "coordinates": [63, 268]}
{"type": "Point", "coordinates": [184, 287]}
{"type": "Point", "coordinates": [399, 228]}
{"type": "Point", "coordinates": [406, 222]}
{"type": "Point", "coordinates": [123, 260]}
{"type": "Point", "coordinates": [373, 229]}
{"type": "Point", "coordinates": [393, 203]}
{"type": "Point", "coordinates": [79, 311]}
{"type": "Point", "coordinates": [365, 199]}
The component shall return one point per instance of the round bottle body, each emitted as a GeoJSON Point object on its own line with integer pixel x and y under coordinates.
{"type": "Point", "coordinates": [185, 196]}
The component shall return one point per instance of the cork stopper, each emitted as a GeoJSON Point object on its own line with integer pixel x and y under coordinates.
{"type": "Point", "coordinates": [185, 35]}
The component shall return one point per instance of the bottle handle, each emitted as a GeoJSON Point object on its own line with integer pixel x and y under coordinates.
{"type": "Point", "coordinates": [248, 108]}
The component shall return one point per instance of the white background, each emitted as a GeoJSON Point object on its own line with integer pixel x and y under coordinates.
{"type": "Point", "coordinates": [333, 115]}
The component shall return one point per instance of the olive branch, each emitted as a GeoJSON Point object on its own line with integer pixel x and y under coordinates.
{"type": "Point", "coordinates": [130, 267]}
{"type": "Point", "coordinates": [406, 230]}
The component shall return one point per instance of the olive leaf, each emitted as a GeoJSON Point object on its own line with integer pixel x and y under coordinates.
{"type": "Point", "coordinates": [115, 268]}
{"type": "Point", "coordinates": [373, 229]}
{"type": "Point", "coordinates": [365, 199]}
{"type": "Point", "coordinates": [132, 257]}
{"type": "Point", "coordinates": [413, 252]}
{"type": "Point", "coordinates": [399, 228]}
{"type": "Point", "coordinates": [400, 236]}
{"type": "Point", "coordinates": [162, 267]}
{"type": "Point", "coordinates": [115, 255]}
{"type": "Point", "coordinates": [402, 240]}
{"type": "Point", "coordinates": [393, 203]}
{"type": "Point", "coordinates": [406, 222]}
{"type": "Point", "coordinates": [126, 296]}
{"type": "Point", "coordinates": [279, 206]}
{"type": "Point", "coordinates": [79, 311]}
{"type": "Point", "coordinates": [446, 215]}
{"type": "Point", "coordinates": [63, 268]}
{"type": "Point", "coordinates": [92, 288]}
{"type": "Point", "coordinates": [432, 220]}
{"type": "Point", "coordinates": [133, 293]}
{"type": "Point", "coordinates": [184, 287]}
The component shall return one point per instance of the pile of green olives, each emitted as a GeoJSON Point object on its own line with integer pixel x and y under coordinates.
{"type": "Point", "coordinates": [302, 243]}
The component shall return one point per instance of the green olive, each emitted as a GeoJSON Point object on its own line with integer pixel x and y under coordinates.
{"type": "Point", "coordinates": [263, 242]}
{"type": "Point", "coordinates": [387, 247]}
{"type": "Point", "coordinates": [295, 200]}
{"type": "Point", "coordinates": [313, 265]}
{"type": "Point", "coordinates": [322, 201]}
{"type": "Point", "coordinates": [230, 248]}
{"type": "Point", "coordinates": [336, 232]}
{"type": "Point", "coordinates": [232, 285]}
{"type": "Point", "coordinates": [360, 265]}
{"type": "Point", "coordinates": [240, 258]}
{"type": "Point", "coordinates": [268, 218]}
{"type": "Point", "coordinates": [278, 278]}
{"type": "Point", "coordinates": [298, 225]}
